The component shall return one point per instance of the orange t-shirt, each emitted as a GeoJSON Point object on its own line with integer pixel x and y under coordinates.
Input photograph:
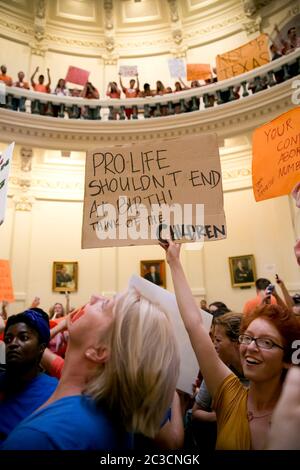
{"type": "Point", "coordinates": [22, 85]}
{"type": "Point", "coordinates": [256, 302]}
{"type": "Point", "coordinates": [114, 94]}
{"type": "Point", "coordinates": [6, 79]}
{"type": "Point", "coordinates": [41, 88]}
{"type": "Point", "coordinates": [131, 92]}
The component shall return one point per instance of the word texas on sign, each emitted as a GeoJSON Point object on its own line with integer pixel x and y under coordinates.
{"type": "Point", "coordinates": [251, 55]}
{"type": "Point", "coordinates": [138, 194]}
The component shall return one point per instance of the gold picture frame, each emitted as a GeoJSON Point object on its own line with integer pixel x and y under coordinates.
{"type": "Point", "coordinates": [154, 271]}
{"type": "Point", "coordinates": [65, 276]}
{"type": "Point", "coordinates": [242, 270]}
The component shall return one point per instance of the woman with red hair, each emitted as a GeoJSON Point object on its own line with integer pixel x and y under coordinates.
{"type": "Point", "coordinates": [266, 340]}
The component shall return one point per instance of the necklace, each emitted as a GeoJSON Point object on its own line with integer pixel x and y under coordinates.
{"type": "Point", "coordinates": [250, 416]}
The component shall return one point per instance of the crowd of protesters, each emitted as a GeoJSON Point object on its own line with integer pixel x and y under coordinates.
{"type": "Point", "coordinates": [279, 47]}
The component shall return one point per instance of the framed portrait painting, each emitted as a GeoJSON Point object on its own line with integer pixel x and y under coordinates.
{"type": "Point", "coordinates": [242, 271]}
{"type": "Point", "coordinates": [65, 276]}
{"type": "Point", "coordinates": [154, 271]}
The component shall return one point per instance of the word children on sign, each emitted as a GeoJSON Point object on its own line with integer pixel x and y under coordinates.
{"type": "Point", "coordinates": [276, 156]}
{"type": "Point", "coordinates": [135, 195]}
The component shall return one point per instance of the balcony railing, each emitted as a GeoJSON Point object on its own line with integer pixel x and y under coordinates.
{"type": "Point", "coordinates": [191, 100]}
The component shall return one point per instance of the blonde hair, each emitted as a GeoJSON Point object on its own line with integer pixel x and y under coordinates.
{"type": "Point", "coordinates": [139, 379]}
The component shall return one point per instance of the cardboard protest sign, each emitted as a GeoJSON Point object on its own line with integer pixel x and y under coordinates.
{"type": "Point", "coordinates": [242, 59]}
{"type": "Point", "coordinates": [6, 287]}
{"type": "Point", "coordinates": [276, 156]}
{"type": "Point", "coordinates": [77, 75]}
{"type": "Point", "coordinates": [198, 71]}
{"type": "Point", "coordinates": [189, 366]}
{"type": "Point", "coordinates": [127, 187]}
{"type": "Point", "coordinates": [5, 159]}
{"type": "Point", "coordinates": [128, 70]}
{"type": "Point", "coordinates": [177, 68]}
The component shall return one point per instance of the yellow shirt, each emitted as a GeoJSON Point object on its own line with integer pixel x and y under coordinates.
{"type": "Point", "coordinates": [230, 404]}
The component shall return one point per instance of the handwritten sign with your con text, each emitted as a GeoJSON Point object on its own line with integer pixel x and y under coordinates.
{"type": "Point", "coordinates": [137, 194]}
{"type": "Point", "coordinates": [276, 156]}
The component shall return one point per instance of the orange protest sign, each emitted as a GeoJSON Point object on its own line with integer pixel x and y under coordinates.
{"type": "Point", "coordinates": [198, 71]}
{"type": "Point", "coordinates": [6, 287]}
{"type": "Point", "coordinates": [247, 57]}
{"type": "Point", "coordinates": [276, 156]}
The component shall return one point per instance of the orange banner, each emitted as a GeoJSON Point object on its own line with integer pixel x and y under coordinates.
{"type": "Point", "coordinates": [6, 287]}
{"type": "Point", "coordinates": [247, 57]}
{"type": "Point", "coordinates": [276, 156]}
{"type": "Point", "coordinates": [198, 71]}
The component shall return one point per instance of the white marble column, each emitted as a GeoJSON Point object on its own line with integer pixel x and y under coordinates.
{"type": "Point", "coordinates": [21, 232]}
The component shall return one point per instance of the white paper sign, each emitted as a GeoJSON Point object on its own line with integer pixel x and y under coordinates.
{"type": "Point", "coordinates": [177, 68]}
{"type": "Point", "coordinates": [128, 70]}
{"type": "Point", "coordinates": [5, 159]}
{"type": "Point", "coordinates": [189, 366]}
{"type": "Point", "coordinates": [270, 269]}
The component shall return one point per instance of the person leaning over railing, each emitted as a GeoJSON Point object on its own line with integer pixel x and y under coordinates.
{"type": "Point", "coordinates": [40, 86]}
{"type": "Point", "coordinates": [147, 93]}
{"type": "Point", "coordinates": [37, 106]}
{"type": "Point", "coordinates": [178, 108]}
{"type": "Point", "coordinates": [194, 103]}
{"type": "Point", "coordinates": [19, 103]}
{"type": "Point", "coordinates": [89, 92]}
{"type": "Point", "coordinates": [74, 112]}
{"type": "Point", "coordinates": [60, 90]}
{"type": "Point", "coordinates": [4, 77]}
{"type": "Point", "coordinates": [131, 92]}
{"type": "Point", "coordinates": [161, 109]}
{"type": "Point", "coordinates": [277, 54]}
{"type": "Point", "coordinates": [115, 93]}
